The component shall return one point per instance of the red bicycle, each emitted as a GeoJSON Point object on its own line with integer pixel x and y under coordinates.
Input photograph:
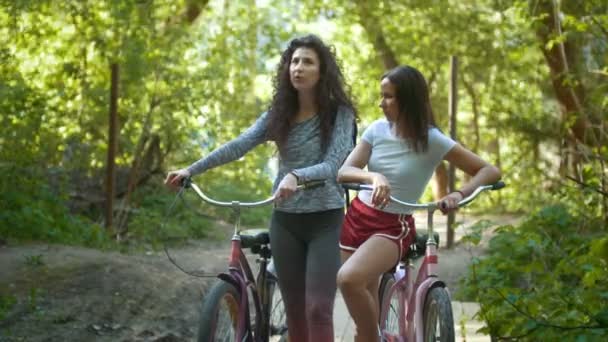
{"type": "Point", "coordinates": [241, 306]}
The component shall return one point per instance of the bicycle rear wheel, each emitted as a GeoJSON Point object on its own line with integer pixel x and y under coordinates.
{"type": "Point", "coordinates": [438, 317]}
{"type": "Point", "coordinates": [219, 314]}
{"type": "Point", "coordinates": [390, 309]}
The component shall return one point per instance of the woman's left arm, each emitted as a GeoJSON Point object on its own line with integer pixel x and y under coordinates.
{"type": "Point", "coordinates": [340, 144]}
{"type": "Point", "coordinates": [481, 172]}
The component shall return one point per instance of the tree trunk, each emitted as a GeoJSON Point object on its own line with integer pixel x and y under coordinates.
{"type": "Point", "coordinates": [568, 89]}
{"type": "Point", "coordinates": [374, 31]}
{"type": "Point", "coordinates": [475, 108]}
{"type": "Point", "coordinates": [135, 170]}
{"type": "Point", "coordinates": [453, 105]}
{"type": "Point", "coordinates": [112, 145]}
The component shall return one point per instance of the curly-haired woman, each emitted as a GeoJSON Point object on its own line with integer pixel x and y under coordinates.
{"type": "Point", "coordinates": [311, 120]}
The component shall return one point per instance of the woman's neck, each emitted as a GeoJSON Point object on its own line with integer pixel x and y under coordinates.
{"type": "Point", "coordinates": [307, 106]}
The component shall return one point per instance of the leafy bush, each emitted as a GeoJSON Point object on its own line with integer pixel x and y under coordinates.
{"type": "Point", "coordinates": [545, 279]}
{"type": "Point", "coordinates": [6, 304]}
{"type": "Point", "coordinates": [31, 211]}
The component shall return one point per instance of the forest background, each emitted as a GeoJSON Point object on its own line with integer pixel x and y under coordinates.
{"type": "Point", "coordinates": [191, 74]}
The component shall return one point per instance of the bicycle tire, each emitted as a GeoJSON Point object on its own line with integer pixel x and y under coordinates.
{"type": "Point", "coordinates": [219, 314]}
{"type": "Point", "coordinates": [277, 315]}
{"type": "Point", "coordinates": [438, 318]}
{"type": "Point", "coordinates": [275, 322]}
{"type": "Point", "coordinates": [389, 320]}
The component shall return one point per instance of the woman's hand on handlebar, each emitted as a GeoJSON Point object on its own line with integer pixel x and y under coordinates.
{"type": "Point", "coordinates": [381, 195]}
{"type": "Point", "coordinates": [174, 178]}
{"type": "Point", "coordinates": [288, 185]}
{"type": "Point", "coordinates": [450, 202]}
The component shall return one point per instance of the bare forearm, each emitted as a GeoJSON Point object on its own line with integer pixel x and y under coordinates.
{"type": "Point", "coordinates": [351, 174]}
{"type": "Point", "coordinates": [486, 175]}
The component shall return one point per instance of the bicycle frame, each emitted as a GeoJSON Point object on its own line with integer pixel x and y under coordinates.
{"type": "Point", "coordinates": [239, 272]}
{"type": "Point", "coordinates": [412, 294]}
{"type": "Point", "coordinates": [241, 276]}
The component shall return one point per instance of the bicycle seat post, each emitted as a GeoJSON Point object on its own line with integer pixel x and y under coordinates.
{"type": "Point", "coordinates": [430, 228]}
{"type": "Point", "coordinates": [236, 212]}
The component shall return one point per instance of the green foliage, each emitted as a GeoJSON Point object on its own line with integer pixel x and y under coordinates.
{"type": "Point", "coordinates": [157, 219]}
{"type": "Point", "coordinates": [196, 82]}
{"type": "Point", "coordinates": [176, 82]}
{"type": "Point", "coordinates": [34, 211]}
{"type": "Point", "coordinates": [158, 215]}
{"type": "Point", "coordinates": [34, 260]}
{"type": "Point", "coordinates": [33, 298]}
{"type": "Point", "coordinates": [6, 304]}
{"type": "Point", "coordinates": [544, 280]}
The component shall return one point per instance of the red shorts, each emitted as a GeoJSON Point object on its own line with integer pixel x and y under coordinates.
{"type": "Point", "coordinates": [362, 222]}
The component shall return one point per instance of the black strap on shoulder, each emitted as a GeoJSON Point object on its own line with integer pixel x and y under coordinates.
{"type": "Point", "coordinates": [355, 132]}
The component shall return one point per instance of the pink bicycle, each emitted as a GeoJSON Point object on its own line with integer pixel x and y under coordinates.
{"type": "Point", "coordinates": [420, 309]}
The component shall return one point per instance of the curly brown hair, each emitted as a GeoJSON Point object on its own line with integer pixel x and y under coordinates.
{"type": "Point", "coordinates": [330, 93]}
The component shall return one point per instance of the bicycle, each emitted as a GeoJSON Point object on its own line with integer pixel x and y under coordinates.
{"type": "Point", "coordinates": [419, 310]}
{"type": "Point", "coordinates": [225, 312]}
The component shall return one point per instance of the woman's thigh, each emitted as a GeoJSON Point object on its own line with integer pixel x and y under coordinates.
{"type": "Point", "coordinates": [374, 257]}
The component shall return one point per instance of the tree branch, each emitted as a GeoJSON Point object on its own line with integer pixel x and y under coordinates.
{"type": "Point", "coordinates": [585, 185]}
{"type": "Point", "coordinates": [374, 30]}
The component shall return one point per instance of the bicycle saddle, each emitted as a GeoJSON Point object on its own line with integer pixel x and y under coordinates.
{"type": "Point", "coordinates": [418, 247]}
{"type": "Point", "coordinates": [252, 238]}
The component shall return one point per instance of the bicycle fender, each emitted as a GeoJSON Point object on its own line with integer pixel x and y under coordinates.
{"type": "Point", "coordinates": [423, 289]}
{"type": "Point", "coordinates": [229, 278]}
{"type": "Point", "coordinates": [234, 278]}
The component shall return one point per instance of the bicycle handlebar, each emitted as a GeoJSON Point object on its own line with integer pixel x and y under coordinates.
{"type": "Point", "coordinates": [187, 182]}
{"type": "Point", "coordinates": [431, 205]}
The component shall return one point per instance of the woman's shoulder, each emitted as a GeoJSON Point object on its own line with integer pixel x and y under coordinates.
{"type": "Point", "coordinates": [380, 124]}
{"type": "Point", "coordinates": [437, 136]}
{"type": "Point", "coordinates": [377, 128]}
{"type": "Point", "coordinates": [435, 131]}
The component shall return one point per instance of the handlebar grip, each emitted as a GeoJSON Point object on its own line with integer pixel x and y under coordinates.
{"type": "Point", "coordinates": [498, 185]}
{"type": "Point", "coordinates": [185, 182]}
{"type": "Point", "coordinates": [357, 186]}
{"type": "Point", "coordinates": [351, 186]}
{"type": "Point", "coordinates": [313, 184]}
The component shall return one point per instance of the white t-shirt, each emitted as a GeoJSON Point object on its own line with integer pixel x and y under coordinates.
{"type": "Point", "coordinates": [408, 172]}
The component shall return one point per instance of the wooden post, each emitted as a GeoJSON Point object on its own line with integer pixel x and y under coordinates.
{"type": "Point", "coordinates": [453, 101]}
{"type": "Point", "coordinates": [112, 146]}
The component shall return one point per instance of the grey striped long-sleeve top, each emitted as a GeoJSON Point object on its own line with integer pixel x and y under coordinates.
{"type": "Point", "coordinates": [302, 154]}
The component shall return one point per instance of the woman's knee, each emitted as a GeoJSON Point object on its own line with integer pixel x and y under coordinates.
{"type": "Point", "coordinates": [319, 311]}
{"type": "Point", "coordinates": [348, 280]}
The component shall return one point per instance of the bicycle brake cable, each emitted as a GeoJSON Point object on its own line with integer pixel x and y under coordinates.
{"type": "Point", "coordinates": [194, 273]}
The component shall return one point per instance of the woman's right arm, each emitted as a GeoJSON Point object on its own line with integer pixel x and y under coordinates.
{"type": "Point", "coordinates": [232, 150]}
{"type": "Point", "coordinates": [352, 171]}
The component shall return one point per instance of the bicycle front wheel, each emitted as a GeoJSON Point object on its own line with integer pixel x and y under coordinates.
{"type": "Point", "coordinates": [438, 317]}
{"type": "Point", "coordinates": [219, 314]}
{"type": "Point", "coordinates": [390, 309]}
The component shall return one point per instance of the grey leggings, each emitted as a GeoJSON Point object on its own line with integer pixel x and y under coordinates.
{"type": "Point", "coordinates": [307, 258]}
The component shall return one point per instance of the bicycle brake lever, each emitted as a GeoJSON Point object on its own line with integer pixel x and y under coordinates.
{"type": "Point", "coordinates": [185, 182]}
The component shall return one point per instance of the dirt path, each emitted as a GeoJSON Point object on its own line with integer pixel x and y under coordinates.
{"type": "Point", "coordinates": [66, 293]}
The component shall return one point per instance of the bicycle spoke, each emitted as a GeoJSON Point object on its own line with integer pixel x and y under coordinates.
{"type": "Point", "coordinates": [226, 320]}
{"type": "Point", "coordinates": [390, 329]}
